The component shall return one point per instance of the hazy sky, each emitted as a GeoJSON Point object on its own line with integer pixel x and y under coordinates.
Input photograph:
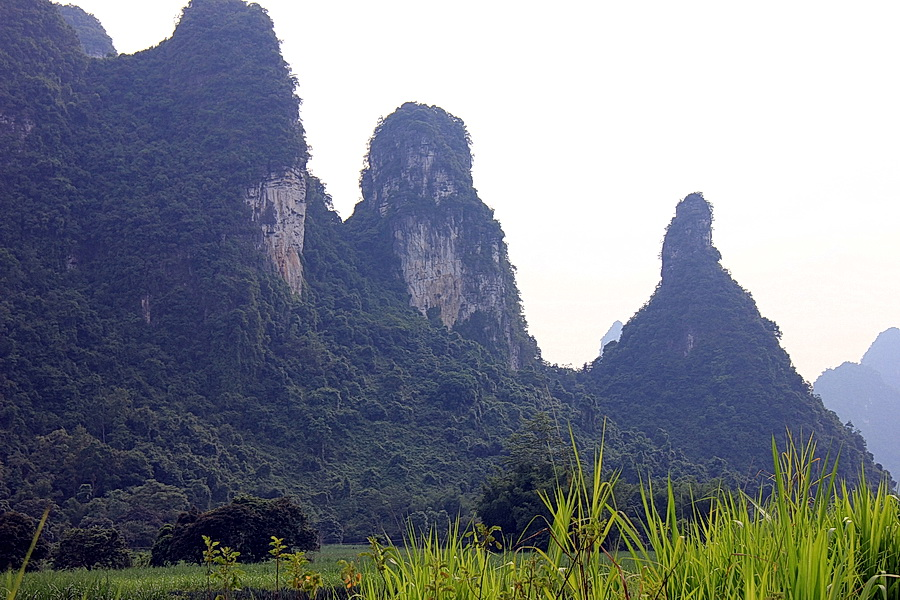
{"type": "Point", "coordinates": [590, 120]}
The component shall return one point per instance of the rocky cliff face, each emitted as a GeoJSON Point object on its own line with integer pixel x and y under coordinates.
{"type": "Point", "coordinates": [279, 208]}
{"type": "Point", "coordinates": [418, 188]}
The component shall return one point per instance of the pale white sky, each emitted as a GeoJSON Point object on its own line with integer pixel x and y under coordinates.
{"type": "Point", "coordinates": [591, 119]}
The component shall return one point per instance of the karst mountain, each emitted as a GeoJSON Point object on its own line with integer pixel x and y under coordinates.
{"type": "Point", "coordinates": [184, 318]}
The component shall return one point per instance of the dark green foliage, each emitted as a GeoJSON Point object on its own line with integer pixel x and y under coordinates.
{"type": "Point", "coordinates": [412, 126]}
{"type": "Point", "coordinates": [538, 459]}
{"type": "Point", "coordinates": [93, 37]}
{"type": "Point", "coordinates": [16, 534]}
{"type": "Point", "coordinates": [92, 548]}
{"type": "Point", "coordinates": [246, 525]}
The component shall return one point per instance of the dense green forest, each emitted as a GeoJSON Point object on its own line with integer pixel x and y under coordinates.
{"type": "Point", "coordinates": [152, 360]}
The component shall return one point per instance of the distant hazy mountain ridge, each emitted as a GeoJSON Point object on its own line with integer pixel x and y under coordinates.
{"type": "Point", "coordinates": [884, 356]}
{"type": "Point", "coordinates": [868, 395]}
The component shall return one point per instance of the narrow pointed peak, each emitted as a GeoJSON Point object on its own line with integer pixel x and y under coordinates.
{"type": "Point", "coordinates": [689, 236]}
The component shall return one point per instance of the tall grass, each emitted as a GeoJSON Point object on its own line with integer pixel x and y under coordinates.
{"type": "Point", "coordinates": [809, 536]}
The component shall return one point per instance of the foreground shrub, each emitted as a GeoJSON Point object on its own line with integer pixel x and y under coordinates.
{"type": "Point", "coordinates": [92, 548]}
{"type": "Point", "coordinates": [16, 533]}
{"type": "Point", "coordinates": [246, 525]}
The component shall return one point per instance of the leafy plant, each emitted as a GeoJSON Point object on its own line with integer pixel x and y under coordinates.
{"type": "Point", "coordinates": [222, 567]}
{"type": "Point", "coordinates": [229, 572]}
{"type": "Point", "coordinates": [210, 552]}
{"type": "Point", "coordinates": [277, 552]}
{"type": "Point", "coordinates": [350, 575]}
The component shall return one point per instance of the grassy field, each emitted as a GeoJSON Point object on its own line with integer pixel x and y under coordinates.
{"type": "Point", "coordinates": [167, 583]}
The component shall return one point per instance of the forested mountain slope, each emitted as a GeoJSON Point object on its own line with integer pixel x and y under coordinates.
{"type": "Point", "coordinates": [700, 369]}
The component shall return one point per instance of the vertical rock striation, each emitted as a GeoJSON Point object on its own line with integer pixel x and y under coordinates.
{"type": "Point", "coordinates": [418, 193]}
{"type": "Point", "coordinates": [279, 208]}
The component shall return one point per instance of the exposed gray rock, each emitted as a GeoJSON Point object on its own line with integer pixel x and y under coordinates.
{"type": "Point", "coordinates": [17, 128]}
{"type": "Point", "coordinates": [279, 207]}
{"type": "Point", "coordinates": [612, 335]}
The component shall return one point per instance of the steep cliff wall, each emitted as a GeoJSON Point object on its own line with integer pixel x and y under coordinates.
{"type": "Point", "coordinates": [279, 208]}
{"type": "Point", "coordinates": [418, 192]}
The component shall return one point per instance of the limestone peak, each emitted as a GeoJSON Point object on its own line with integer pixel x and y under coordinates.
{"type": "Point", "coordinates": [419, 196]}
{"type": "Point", "coordinates": [418, 155]}
{"type": "Point", "coordinates": [689, 236]}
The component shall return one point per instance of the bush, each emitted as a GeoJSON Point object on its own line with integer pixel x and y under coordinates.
{"type": "Point", "coordinates": [93, 548]}
{"type": "Point", "coordinates": [246, 525]}
{"type": "Point", "coordinates": [16, 532]}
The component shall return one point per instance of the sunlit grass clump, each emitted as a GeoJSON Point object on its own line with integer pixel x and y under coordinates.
{"type": "Point", "coordinates": [807, 537]}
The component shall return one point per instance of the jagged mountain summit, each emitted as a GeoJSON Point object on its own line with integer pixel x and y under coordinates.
{"type": "Point", "coordinates": [699, 368]}
{"type": "Point", "coordinates": [418, 194]}
{"type": "Point", "coordinates": [867, 394]}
